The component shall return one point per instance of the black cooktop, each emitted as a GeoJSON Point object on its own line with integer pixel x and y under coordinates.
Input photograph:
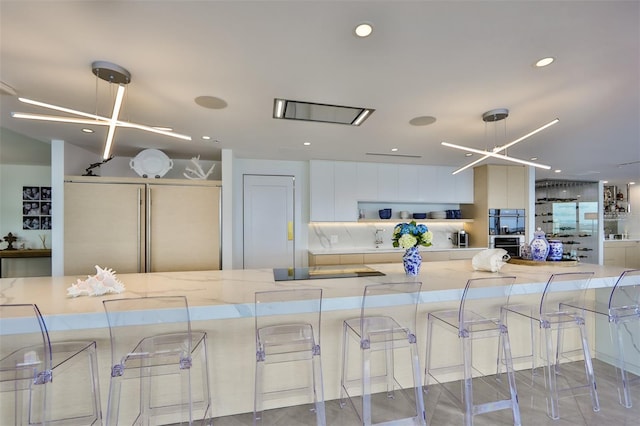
{"type": "Point", "coordinates": [324, 272]}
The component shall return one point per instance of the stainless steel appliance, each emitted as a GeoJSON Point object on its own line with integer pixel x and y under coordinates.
{"type": "Point", "coordinates": [511, 244]}
{"type": "Point", "coordinates": [460, 239]}
{"type": "Point", "coordinates": [507, 221]}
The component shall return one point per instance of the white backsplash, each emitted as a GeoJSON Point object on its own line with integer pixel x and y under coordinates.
{"type": "Point", "coordinates": [351, 235]}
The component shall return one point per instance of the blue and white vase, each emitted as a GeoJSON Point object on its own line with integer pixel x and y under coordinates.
{"type": "Point", "coordinates": [412, 261]}
{"type": "Point", "coordinates": [556, 250]}
{"type": "Point", "coordinates": [539, 246]}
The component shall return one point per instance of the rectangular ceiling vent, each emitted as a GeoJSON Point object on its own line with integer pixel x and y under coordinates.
{"type": "Point", "coordinates": [394, 155]}
{"type": "Point", "coordinates": [324, 113]}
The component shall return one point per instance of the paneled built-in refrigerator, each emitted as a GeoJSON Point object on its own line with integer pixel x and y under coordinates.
{"type": "Point", "coordinates": [138, 226]}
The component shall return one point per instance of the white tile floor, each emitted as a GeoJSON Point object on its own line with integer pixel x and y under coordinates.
{"type": "Point", "coordinates": [442, 409]}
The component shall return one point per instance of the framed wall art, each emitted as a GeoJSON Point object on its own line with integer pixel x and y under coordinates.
{"type": "Point", "coordinates": [36, 207]}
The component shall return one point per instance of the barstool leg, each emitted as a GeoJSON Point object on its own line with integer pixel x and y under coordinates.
{"type": "Point", "coordinates": [113, 406]}
{"type": "Point", "coordinates": [415, 363]}
{"type": "Point", "coordinates": [468, 381]}
{"type": "Point", "coordinates": [427, 361]}
{"type": "Point", "coordinates": [345, 376]}
{"type": "Point", "coordinates": [550, 375]}
{"type": "Point", "coordinates": [588, 364]}
{"type": "Point", "coordinates": [624, 393]}
{"type": "Point", "coordinates": [389, 373]}
{"type": "Point", "coordinates": [257, 401]}
{"type": "Point", "coordinates": [511, 377]}
{"type": "Point", "coordinates": [318, 389]}
{"type": "Point", "coordinates": [366, 385]}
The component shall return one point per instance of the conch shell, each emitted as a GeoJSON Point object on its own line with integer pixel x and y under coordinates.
{"type": "Point", "coordinates": [105, 281]}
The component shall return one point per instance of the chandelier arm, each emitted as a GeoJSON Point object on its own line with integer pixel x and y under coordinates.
{"type": "Point", "coordinates": [62, 109]}
{"type": "Point", "coordinates": [533, 132]}
{"type": "Point", "coordinates": [153, 129]}
{"type": "Point", "coordinates": [59, 119]}
{"type": "Point", "coordinates": [113, 122]}
{"type": "Point", "coordinates": [473, 163]}
{"type": "Point", "coordinates": [496, 155]}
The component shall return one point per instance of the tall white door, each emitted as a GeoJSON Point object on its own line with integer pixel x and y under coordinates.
{"type": "Point", "coordinates": [268, 227]}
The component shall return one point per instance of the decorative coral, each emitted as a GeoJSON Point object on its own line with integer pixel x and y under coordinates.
{"type": "Point", "coordinates": [197, 173]}
{"type": "Point", "coordinates": [103, 282]}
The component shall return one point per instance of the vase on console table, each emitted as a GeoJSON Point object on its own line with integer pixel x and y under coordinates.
{"type": "Point", "coordinates": [412, 261]}
{"type": "Point", "coordinates": [539, 246]}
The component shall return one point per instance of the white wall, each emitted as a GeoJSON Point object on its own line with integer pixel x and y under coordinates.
{"type": "Point", "coordinates": [12, 178]}
{"type": "Point", "coordinates": [298, 169]}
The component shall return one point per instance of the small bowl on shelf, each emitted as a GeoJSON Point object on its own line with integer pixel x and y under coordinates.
{"type": "Point", "coordinates": [419, 215]}
{"type": "Point", "coordinates": [384, 213]}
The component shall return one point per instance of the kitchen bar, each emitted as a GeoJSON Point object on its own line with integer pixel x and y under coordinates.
{"type": "Point", "coordinates": [221, 303]}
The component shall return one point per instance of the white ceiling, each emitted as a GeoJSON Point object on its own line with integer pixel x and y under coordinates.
{"type": "Point", "coordinates": [452, 60]}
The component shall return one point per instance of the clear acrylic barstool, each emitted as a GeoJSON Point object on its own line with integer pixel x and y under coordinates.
{"type": "Point", "coordinates": [387, 322]}
{"type": "Point", "coordinates": [622, 311]}
{"type": "Point", "coordinates": [561, 308]}
{"type": "Point", "coordinates": [152, 351]}
{"type": "Point", "coordinates": [287, 332]}
{"type": "Point", "coordinates": [476, 319]}
{"type": "Point", "coordinates": [44, 382]}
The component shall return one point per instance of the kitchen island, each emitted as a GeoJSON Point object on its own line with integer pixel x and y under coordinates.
{"type": "Point", "coordinates": [221, 303]}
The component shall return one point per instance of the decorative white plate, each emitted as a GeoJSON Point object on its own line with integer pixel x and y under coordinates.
{"type": "Point", "coordinates": [151, 163]}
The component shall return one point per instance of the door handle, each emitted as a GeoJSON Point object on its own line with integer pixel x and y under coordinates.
{"type": "Point", "coordinates": [290, 230]}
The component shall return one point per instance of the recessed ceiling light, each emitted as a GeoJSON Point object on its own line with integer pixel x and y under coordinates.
{"type": "Point", "coordinates": [544, 62]}
{"type": "Point", "coordinates": [534, 158]}
{"type": "Point", "coordinates": [206, 138]}
{"type": "Point", "coordinates": [87, 130]}
{"type": "Point", "coordinates": [468, 154]}
{"type": "Point", "coordinates": [557, 171]}
{"type": "Point", "coordinates": [605, 181]}
{"type": "Point", "coordinates": [424, 120]}
{"type": "Point", "coordinates": [306, 143]}
{"type": "Point", "coordinates": [632, 183]}
{"type": "Point", "coordinates": [363, 30]}
{"type": "Point", "coordinates": [394, 149]}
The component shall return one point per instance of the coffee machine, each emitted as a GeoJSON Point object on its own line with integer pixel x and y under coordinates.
{"type": "Point", "coordinates": [461, 239]}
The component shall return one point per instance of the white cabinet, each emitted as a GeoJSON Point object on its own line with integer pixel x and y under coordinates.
{"type": "Point", "coordinates": [337, 186]}
{"type": "Point", "coordinates": [137, 226]}
{"type": "Point", "coordinates": [367, 181]}
{"type": "Point", "coordinates": [409, 188]}
{"type": "Point", "coordinates": [345, 195]}
{"type": "Point", "coordinates": [333, 191]}
{"type": "Point", "coordinates": [428, 181]}
{"type": "Point", "coordinates": [388, 181]}
{"type": "Point", "coordinates": [322, 191]}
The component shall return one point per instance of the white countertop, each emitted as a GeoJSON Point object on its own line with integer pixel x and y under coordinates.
{"type": "Point", "coordinates": [229, 294]}
{"type": "Point", "coordinates": [369, 249]}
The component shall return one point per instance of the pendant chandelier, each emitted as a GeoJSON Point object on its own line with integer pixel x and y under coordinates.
{"type": "Point", "coordinates": [494, 116]}
{"type": "Point", "coordinates": [114, 74]}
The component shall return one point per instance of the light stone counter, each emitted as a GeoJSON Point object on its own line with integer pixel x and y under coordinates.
{"type": "Point", "coordinates": [221, 303]}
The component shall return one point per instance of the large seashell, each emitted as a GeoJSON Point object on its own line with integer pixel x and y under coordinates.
{"type": "Point", "coordinates": [103, 282]}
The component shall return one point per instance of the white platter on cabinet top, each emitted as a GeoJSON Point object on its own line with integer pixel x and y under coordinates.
{"type": "Point", "coordinates": [151, 163]}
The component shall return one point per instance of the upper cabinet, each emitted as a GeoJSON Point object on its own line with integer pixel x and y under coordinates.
{"type": "Point", "coordinates": [337, 187]}
{"type": "Point", "coordinates": [506, 186]}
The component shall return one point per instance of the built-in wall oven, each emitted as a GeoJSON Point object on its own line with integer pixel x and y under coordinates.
{"type": "Point", "coordinates": [510, 243]}
{"type": "Point", "coordinates": [507, 221]}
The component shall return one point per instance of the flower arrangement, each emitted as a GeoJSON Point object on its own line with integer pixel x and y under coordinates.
{"type": "Point", "coordinates": [407, 235]}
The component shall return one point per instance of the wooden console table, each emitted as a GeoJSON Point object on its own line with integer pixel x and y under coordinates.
{"type": "Point", "coordinates": [16, 254]}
